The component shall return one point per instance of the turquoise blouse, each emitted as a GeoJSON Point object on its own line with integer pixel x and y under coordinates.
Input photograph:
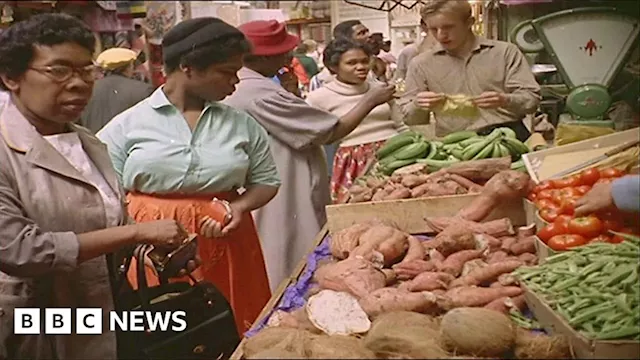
{"type": "Point", "coordinates": [153, 150]}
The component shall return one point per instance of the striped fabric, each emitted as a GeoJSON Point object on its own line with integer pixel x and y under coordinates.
{"type": "Point", "coordinates": [131, 9]}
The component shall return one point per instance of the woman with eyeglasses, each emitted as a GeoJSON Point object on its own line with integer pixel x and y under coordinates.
{"type": "Point", "coordinates": [62, 211]}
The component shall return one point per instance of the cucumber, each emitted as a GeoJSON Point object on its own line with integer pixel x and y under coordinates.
{"type": "Point", "coordinates": [440, 155]}
{"type": "Point", "coordinates": [495, 153]}
{"type": "Point", "coordinates": [457, 153]}
{"type": "Point", "coordinates": [458, 136]}
{"type": "Point", "coordinates": [504, 151]}
{"type": "Point", "coordinates": [392, 166]}
{"type": "Point", "coordinates": [517, 145]}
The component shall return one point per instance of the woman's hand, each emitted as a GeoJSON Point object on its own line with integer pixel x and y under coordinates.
{"type": "Point", "coordinates": [168, 233]}
{"type": "Point", "coordinates": [380, 94]}
{"type": "Point", "coordinates": [211, 228]}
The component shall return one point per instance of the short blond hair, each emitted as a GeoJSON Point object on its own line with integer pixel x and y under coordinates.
{"type": "Point", "coordinates": [459, 7]}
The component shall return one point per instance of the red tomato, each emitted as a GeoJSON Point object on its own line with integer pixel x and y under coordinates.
{"type": "Point", "coordinates": [568, 204]}
{"type": "Point", "coordinates": [532, 196]}
{"type": "Point", "coordinates": [544, 185]}
{"type": "Point", "coordinates": [617, 238]}
{"type": "Point", "coordinates": [589, 176]}
{"type": "Point", "coordinates": [601, 238]}
{"type": "Point", "coordinates": [611, 173]}
{"type": "Point", "coordinates": [547, 194]}
{"type": "Point", "coordinates": [549, 231]}
{"type": "Point", "coordinates": [571, 181]}
{"type": "Point", "coordinates": [549, 214]}
{"type": "Point", "coordinates": [569, 192]}
{"type": "Point", "coordinates": [564, 242]}
{"type": "Point", "coordinates": [604, 181]}
{"type": "Point", "coordinates": [546, 203]}
{"type": "Point", "coordinates": [583, 189]}
{"type": "Point", "coordinates": [562, 221]}
{"type": "Point", "coordinates": [611, 224]}
{"type": "Point", "coordinates": [587, 226]}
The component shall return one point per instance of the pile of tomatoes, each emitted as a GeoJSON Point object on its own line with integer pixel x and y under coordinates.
{"type": "Point", "coordinates": [555, 200]}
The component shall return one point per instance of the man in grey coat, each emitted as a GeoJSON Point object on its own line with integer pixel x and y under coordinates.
{"type": "Point", "coordinates": [117, 91]}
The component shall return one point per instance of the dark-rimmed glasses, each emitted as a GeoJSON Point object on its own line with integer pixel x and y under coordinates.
{"type": "Point", "coordinates": [63, 73]}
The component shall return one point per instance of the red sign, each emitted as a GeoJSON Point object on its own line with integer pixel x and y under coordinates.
{"type": "Point", "coordinates": [590, 47]}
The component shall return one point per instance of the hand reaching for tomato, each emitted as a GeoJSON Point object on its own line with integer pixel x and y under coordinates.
{"type": "Point", "coordinates": [597, 199]}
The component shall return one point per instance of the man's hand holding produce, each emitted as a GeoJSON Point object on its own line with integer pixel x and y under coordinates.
{"type": "Point", "coordinates": [429, 100]}
{"type": "Point", "coordinates": [491, 100]}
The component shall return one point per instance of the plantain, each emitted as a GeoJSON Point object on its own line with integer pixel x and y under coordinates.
{"type": "Point", "coordinates": [440, 155]}
{"type": "Point", "coordinates": [516, 145]}
{"type": "Point", "coordinates": [457, 153]}
{"type": "Point", "coordinates": [469, 141]}
{"type": "Point", "coordinates": [433, 150]}
{"type": "Point", "coordinates": [508, 132]}
{"type": "Point", "coordinates": [474, 149]}
{"type": "Point", "coordinates": [458, 136]}
{"type": "Point", "coordinates": [412, 151]}
{"type": "Point", "coordinates": [389, 168]}
{"type": "Point", "coordinates": [395, 143]}
{"type": "Point", "coordinates": [486, 152]}
{"type": "Point", "coordinates": [495, 153]}
{"type": "Point", "coordinates": [504, 151]}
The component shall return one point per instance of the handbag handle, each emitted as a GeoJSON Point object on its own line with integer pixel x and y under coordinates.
{"type": "Point", "coordinates": [145, 302]}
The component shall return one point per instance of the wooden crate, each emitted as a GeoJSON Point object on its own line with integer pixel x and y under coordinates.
{"type": "Point", "coordinates": [542, 164]}
{"type": "Point", "coordinates": [409, 214]}
{"type": "Point", "coordinates": [277, 295]}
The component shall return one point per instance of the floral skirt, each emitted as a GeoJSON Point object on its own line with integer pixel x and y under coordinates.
{"type": "Point", "coordinates": [349, 163]}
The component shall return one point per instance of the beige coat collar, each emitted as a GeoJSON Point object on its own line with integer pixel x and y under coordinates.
{"type": "Point", "coordinates": [23, 137]}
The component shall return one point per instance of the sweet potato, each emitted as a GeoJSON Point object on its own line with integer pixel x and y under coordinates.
{"type": "Point", "coordinates": [528, 258]}
{"type": "Point", "coordinates": [364, 196]}
{"type": "Point", "coordinates": [507, 242]}
{"type": "Point", "coordinates": [394, 248]}
{"type": "Point", "coordinates": [374, 236]}
{"type": "Point", "coordinates": [358, 189]}
{"type": "Point", "coordinates": [496, 228]}
{"type": "Point", "coordinates": [435, 255]}
{"type": "Point", "coordinates": [497, 256]}
{"type": "Point", "coordinates": [506, 186]}
{"type": "Point", "coordinates": [429, 281]}
{"type": "Point", "coordinates": [507, 279]}
{"type": "Point", "coordinates": [413, 180]}
{"type": "Point", "coordinates": [496, 285]}
{"type": "Point", "coordinates": [353, 275]}
{"type": "Point", "coordinates": [390, 276]}
{"type": "Point", "coordinates": [475, 296]}
{"type": "Point", "coordinates": [499, 305]}
{"type": "Point", "coordinates": [526, 245]}
{"type": "Point", "coordinates": [470, 266]}
{"type": "Point", "coordinates": [526, 231]}
{"type": "Point", "coordinates": [416, 250]}
{"type": "Point", "coordinates": [430, 244]}
{"type": "Point", "coordinates": [399, 193]}
{"type": "Point", "coordinates": [480, 170]}
{"type": "Point", "coordinates": [486, 274]}
{"type": "Point", "coordinates": [453, 263]}
{"type": "Point", "coordinates": [375, 183]}
{"type": "Point", "coordinates": [420, 190]}
{"type": "Point", "coordinates": [484, 241]}
{"type": "Point", "coordinates": [379, 195]}
{"type": "Point", "coordinates": [517, 302]}
{"type": "Point", "coordinates": [345, 240]}
{"type": "Point", "coordinates": [394, 299]}
{"type": "Point", "coordinates": [454, 239]}
{"type": "Point", "coordinates": [466, 183]}
{"type": "Point", "coordinates": [409, 269]}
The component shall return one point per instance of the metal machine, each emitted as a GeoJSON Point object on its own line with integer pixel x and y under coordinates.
{"type": "Point", "coordinates": [588, 48]}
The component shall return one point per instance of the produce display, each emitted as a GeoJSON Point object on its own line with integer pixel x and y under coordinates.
{"type": "Point", "coordinates": [411, 147]}
{"type": "Point", "coordinates": [555, 201]}
{"type": "Point", "coordinates": [593, 287]}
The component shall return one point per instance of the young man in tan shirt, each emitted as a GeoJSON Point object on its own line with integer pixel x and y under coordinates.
{"type": "Point", "coordinates": [493, 73]}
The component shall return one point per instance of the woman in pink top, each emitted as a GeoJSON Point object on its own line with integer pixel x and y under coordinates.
{"type": "Point", "coordinates": [350, 62]}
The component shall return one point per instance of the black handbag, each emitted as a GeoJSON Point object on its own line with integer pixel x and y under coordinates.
{"type": "Point", "coordinates": [210, 332]}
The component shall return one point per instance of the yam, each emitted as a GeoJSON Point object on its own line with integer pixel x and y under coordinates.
{"type": "Point", "coordinates": [415, 251]}
{"type": "Point", "coordinates": [507, 243]}
{"type": "Point", "coordinates": [412, 180]}
{"type": "Point", "coordinates": [487, 274]}
{"type": "Point", "coordinates": [496, 257]}
{"type": "Point", "coordinates": [338, 347]}
{"type": "Point", "coordinates": [345, 240]}
{"type": "Point", "coordinates": [429, 281]}
{"type": "Point", "coordinates": [499, 305]}
{"type": "Point", "coordinates": [477, 332]}
{"type": "Point", "coordinates": [526, 231]}
{"type": "Point", "coordinates": [526, 245]}
{"type": "Point", "coordinates": [395, 299]}
{"type": "Point", "coordinates": [296, 319]}
{"type": "Point", "coordinates": [454, 239]}
{"type": "Point", "coordinates": [475, 296]}
{"type": "Point", "coordinates": [480, 170]}
{"type": "Point", "coordinates": [528, 258]}
{"type": "Point", "coordinates": [364, 196]}
{"type": "Point", "coordinates": [455, 262]}
{"type": "Point", "coordinates": [541, 346]}
{"type": "Point", "coordinates": [405, 335]}
{"type": "Point", "coordinates": [410, 269]}
{"type": "Point", "coordinates": [394, 248]}
{"type": "Point", "coordinates": [354, 275]}
{"type": "Point", "coordinates": [472, 265]}
{"type": "Point", "coordinates": [278, 338]}
{"type": "Point", "coordinates": [398, 193]}
{"type": "Point", "coordinates": [337, 313]}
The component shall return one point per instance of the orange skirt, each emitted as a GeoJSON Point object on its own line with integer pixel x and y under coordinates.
{"type": "Point", "coordinates": [234, 264]}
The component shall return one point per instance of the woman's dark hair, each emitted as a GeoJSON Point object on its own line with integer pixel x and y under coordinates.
{"type": "Point", "coordinates": [336, 48]}
{"type": "Point", "coordinates": [17, 42]}
{"type": "Point", "coordinates": [214, 53]}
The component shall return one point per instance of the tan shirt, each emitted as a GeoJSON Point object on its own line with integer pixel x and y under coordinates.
{"type": "Point", "coordinates": [492, 66]}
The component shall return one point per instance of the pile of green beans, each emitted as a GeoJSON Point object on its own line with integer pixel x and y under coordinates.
{"type": "Point", "coordinates": [594, 287]}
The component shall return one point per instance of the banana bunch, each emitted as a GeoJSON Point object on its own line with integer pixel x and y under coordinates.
{"type": "Point", "coordinates": [410, 147]}
{"type": "Point", "coordinates": [468, 145]}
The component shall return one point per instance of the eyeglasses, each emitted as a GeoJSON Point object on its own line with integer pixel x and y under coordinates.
{"type": "Point", "coordinates": [62, 73]}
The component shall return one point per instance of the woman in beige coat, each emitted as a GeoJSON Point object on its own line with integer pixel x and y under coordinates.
{"type": "Point", "coordinates": [61, 207]}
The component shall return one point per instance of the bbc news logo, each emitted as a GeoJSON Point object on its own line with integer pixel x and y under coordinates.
{"type": "Point", "coordinates": [27, 321]}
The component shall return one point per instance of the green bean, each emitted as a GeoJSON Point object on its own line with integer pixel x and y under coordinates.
{"type": "Point", "coordinates": [593, 267]}
{"type": "Point", "coordinates": [625, 332]}
{"type": "Point", "coordinates": [587, 314]}
{"type": "Point", "coordinates": [578, 305]}
{"type": "Point", "coordinates": [557, 258]}
{"type": "Point", "coordinates": [565, 284]}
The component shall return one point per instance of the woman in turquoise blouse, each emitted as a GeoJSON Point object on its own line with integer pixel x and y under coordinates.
{"type": "Point", "coordinates": [180, 148]}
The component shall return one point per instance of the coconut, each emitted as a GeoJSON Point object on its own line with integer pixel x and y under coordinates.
{"type": "Point", "coordinates": [274, 354]}
{"type": "Point", "coordinates": [338, 347]}
{"type": "Point", "coordinates": [541, 346]}
{"type": "Point", "coordinates": [278, 338]}
{"type": "Point", "coordinates": [405, 335]}
{"type": "Point", "coordinates": [477, 332]}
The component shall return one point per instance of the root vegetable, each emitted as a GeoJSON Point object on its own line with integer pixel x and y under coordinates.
{"type": "Point", "coordinates": [454, 262]}
{"type": "Point", "coordinates": [486, 274]}
{"type": "Point", "coordinates": [453, 239]}
{"type": "Point", "coordinates": [413, 180]}
{"type": "Point", "coordinates": [466, 183]}
{"type": "Point", "coordinates": [497, 256]}
{"type": "Point", "coordinates": [496, 228]}
{"type": "Point", "coordinates": [390, 276]}
{"type": "Point", "coordinates": [429, 281]}
{"type": "Point", "coordinates": [484, 241]}
{"type": "Point", "coordinates": [507, 243]}
{"type": "Point", "coordinates": [276, 354]}
{"type": "Point", "coordinates": [499, 305]}
{"type": "Point", "coordinates": [541, 346]}
{"type": "Point", "coordinates": [338, 347]}
{"type": "Point", "coordinates": [518, 302]}
{"type": "Point", "coordinates": [297, 319]}
{"type": "Point", "coordinates": [477, 332]}
{"type": "Point", "coordinates": [353, 275]}
{"type": "Point", "coordinates": [365, 196]}
{"type": "Point", "coordinates": [380, 195]}
{"type": "Point", "coordinates": [507, 279]}
{"type": "Point", "coordinates": [496, 285]}
{"type": "Point", "coordinates": [394, 299]}
{"type": "Point", "coordinates": [410, 269]}
{"type": "Point", "coordinates": [528, 258]}
{"type": "Point", "coordinates": [480, 170]}
{"type": "Point", "coordinates": [356, 189]}
{"type": "Point", "coordinates": [506, 186]}
{"type": "Point", "coordinates": [375, 183]}
{"type": "Point", "coordinates": [345, 240]}
{"type": "Point", "coordinates": [375, 235]}
{"type": "Point", "coordinates": [472, 265]}
{"type": "Point", "coordinates": [394, 248]}
{"type": "Point", "coordinates": [526, 245]}
{"type": "Point", "coordinates": [476, 296]}
{"type": "Point", "coordinates": [410, 169]}
{"type": "Point", "coordinates": [337, 313]}
{"type": "Point", "coordinates": [526, 231]}
{"type": "Point", "coordinates": [435, 255]}
{"type": "Point", "coordinates": [399, 193]}
{"type": "Point", "coordinates": [416, 250]}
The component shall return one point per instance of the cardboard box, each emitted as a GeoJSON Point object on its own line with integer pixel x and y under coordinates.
{"type": "Point", "coordinates": [542, 164]}
{"type": "Point", "coordinates": [583, 348]}
{"type": "Point", "coordinates": [543, 251]}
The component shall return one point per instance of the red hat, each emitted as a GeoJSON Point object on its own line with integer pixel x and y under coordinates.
{"type": "Point", "coordinates": [269, 37]}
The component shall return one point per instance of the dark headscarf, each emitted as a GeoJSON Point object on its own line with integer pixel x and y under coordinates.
{"type": "Point", "coordinates": [191, 34]}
